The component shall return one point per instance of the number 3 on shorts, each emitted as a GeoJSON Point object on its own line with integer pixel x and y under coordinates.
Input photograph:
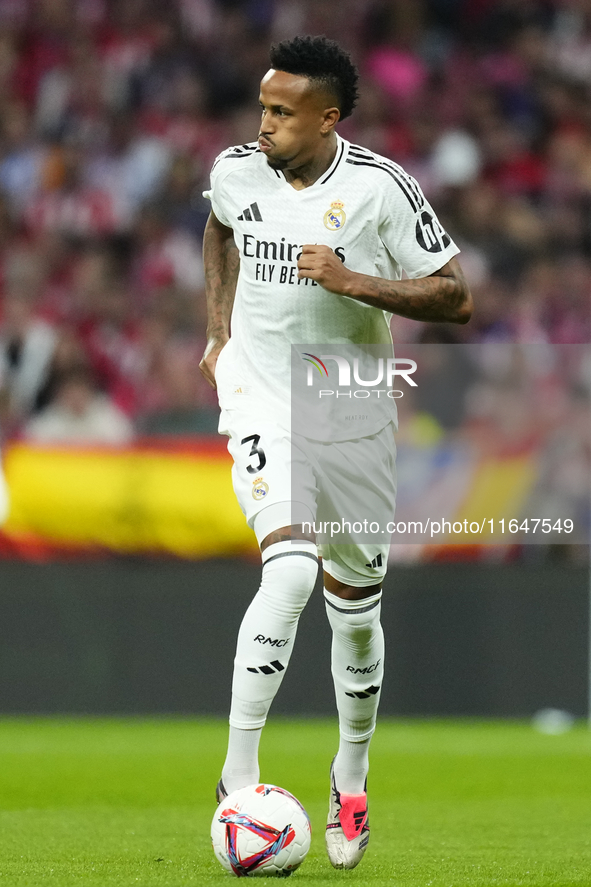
{"type": "Point", "coordinates": [255, 450]}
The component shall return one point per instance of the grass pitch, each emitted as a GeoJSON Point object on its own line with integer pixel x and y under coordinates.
{"type": "Point", "coordinates": [129, 802]}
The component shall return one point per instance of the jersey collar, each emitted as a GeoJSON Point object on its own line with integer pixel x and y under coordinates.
{"type": "Point", "coordinates": [325, 177]}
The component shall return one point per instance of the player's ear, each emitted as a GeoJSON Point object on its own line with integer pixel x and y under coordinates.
{"type": "Point", "coordinates": [331, 117]}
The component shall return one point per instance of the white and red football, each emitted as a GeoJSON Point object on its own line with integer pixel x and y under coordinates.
{"type": "Point", "coordinates": [261, 830]}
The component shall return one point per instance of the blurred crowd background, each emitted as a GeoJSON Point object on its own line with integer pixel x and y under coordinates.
{"type": "Point", "coordinates": [111, 114]}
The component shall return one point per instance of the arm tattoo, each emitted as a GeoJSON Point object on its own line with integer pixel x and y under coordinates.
{"type": "Point", "coordinates": [221, 263]}
{"type": "Point", "coordinates": [442, 297]}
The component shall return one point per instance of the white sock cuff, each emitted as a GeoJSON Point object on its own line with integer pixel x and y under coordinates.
{"type": "Point", "coordinates": [363, 605]}
{"type": "Point", "coordinates": [358, 737]}
{"type": "Point", "coordinates": [300, 547]}
{"type": "Point", "coordinates": [248, 715]}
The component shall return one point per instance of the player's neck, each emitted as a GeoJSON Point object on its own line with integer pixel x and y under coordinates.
{"type": "Point", "coordinates": [305, 175]}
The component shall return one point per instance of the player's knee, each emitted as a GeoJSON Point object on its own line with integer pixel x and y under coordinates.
{"type": "Point", "coordinates": [292, 533]}
{"type": "Point", "coordinates": [362, 629]}
{"type": "Point", "coordinates": [298, 571]}
{"type": "Point", "coordinates": [359, 620]}
{"type": "Point", "coordinates": [289, 575]}
{"type": "Point", "coordinates": [349, 592]}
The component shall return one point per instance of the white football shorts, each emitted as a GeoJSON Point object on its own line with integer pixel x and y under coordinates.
{"type": "Point", "coordinates": [344, 482]}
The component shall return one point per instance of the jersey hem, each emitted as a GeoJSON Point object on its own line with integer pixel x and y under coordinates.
{"type": "Point", "coordinates": [442, 259]}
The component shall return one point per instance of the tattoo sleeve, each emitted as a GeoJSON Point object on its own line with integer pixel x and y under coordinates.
{"type": "Point", "coordinates": [221, 264]}
{"type": "Point", "coordinates": [441, 297]}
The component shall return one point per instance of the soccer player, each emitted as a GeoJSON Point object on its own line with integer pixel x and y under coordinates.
{"type": "Point", "coordinates": [306, 243]}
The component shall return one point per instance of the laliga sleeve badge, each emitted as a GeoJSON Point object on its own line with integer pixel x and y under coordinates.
{"type": "Point", "coordinates": [259, 488]}
{"type": "Point", "coordinates": [335, 218]}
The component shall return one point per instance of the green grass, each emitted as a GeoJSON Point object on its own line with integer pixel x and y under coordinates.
{"type": "Point", "coordinates": [129, 802]}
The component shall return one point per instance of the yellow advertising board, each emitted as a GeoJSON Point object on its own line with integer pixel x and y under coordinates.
{"type": "Point", "coordinates": [134, 500]}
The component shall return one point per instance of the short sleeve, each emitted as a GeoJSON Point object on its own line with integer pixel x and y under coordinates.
{"type": "Point", "coordinates": [409, 228]}
{"type": "Point", "coordinates": [215, 193]}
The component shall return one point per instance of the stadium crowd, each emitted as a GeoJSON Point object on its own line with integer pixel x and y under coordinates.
{"type": "Point", "coordinates": [112, 113]}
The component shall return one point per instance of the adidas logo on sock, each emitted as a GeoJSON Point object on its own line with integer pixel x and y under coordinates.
{"type": "Point", "coordinates": [251, 214]}
{"type": "Point", "coordinates": [376, 562]}
{"type": "Point", "coordinates": [371, 691]}
{"type": "Point", "coordinates": [267, 669]}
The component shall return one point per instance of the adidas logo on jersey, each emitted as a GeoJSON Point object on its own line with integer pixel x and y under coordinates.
{"type": "Point", "coordinates": [251, 214]}
{"type": "Point", "coordinates": [376, 562]}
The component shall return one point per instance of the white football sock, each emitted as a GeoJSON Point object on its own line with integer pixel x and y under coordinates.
{"type": "Point", "coordinates": [351, 766]}
{"type": "Point", "coordinates": [242, 759]}
{"type": "Point", "coordinates": [265, 644]}
{"type": "Point", "coordinates": [357, 669]}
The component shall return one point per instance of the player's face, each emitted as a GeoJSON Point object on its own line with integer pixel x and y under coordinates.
{"type": "Point", "coordinates": [295, 119]}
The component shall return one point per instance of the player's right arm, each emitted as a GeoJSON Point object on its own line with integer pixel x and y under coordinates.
{"type": "Point", "coordinates": [221, 263]}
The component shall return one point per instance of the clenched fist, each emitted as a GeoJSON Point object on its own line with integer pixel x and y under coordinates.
{"type": "Point", "coordinates": [321, 263]}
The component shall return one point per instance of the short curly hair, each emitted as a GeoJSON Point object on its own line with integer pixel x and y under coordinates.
{"type": "Point", "coordinates": [324, 63]}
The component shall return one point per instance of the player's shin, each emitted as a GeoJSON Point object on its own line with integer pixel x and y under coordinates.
{"type": "Point", "coordinates": [265, 644]}
{"type": "Point", "coordinates": [357, 668]}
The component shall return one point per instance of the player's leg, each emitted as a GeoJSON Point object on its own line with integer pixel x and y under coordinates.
{"type": "Point", "coordinates": [357, 662]}
{"type": "Point", "coordinates": [266, 638]}
{"type": "Point", "coordinates": [358, 490]}
{"type": "Point", "coordinates": [262, 482]}
{"type": "Point", "coordinates": [359, 484]}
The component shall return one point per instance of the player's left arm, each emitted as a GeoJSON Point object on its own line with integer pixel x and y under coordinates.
{"type": "Point", "coordinates": [443, 296]}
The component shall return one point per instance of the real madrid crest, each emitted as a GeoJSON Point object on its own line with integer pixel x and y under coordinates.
{"type": "Point", "coordinates": [335, 218]}
{"type": "Point", "coordinates": [259, 488]}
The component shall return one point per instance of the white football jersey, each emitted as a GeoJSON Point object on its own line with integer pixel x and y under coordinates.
{"type": "Point", "coordinates": [365, 207]}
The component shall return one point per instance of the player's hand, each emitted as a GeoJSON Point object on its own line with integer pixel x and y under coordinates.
{"type": "Point", "coordinates": [210, 358]}
{"type": "Point", "coordinates": [321, 263]}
